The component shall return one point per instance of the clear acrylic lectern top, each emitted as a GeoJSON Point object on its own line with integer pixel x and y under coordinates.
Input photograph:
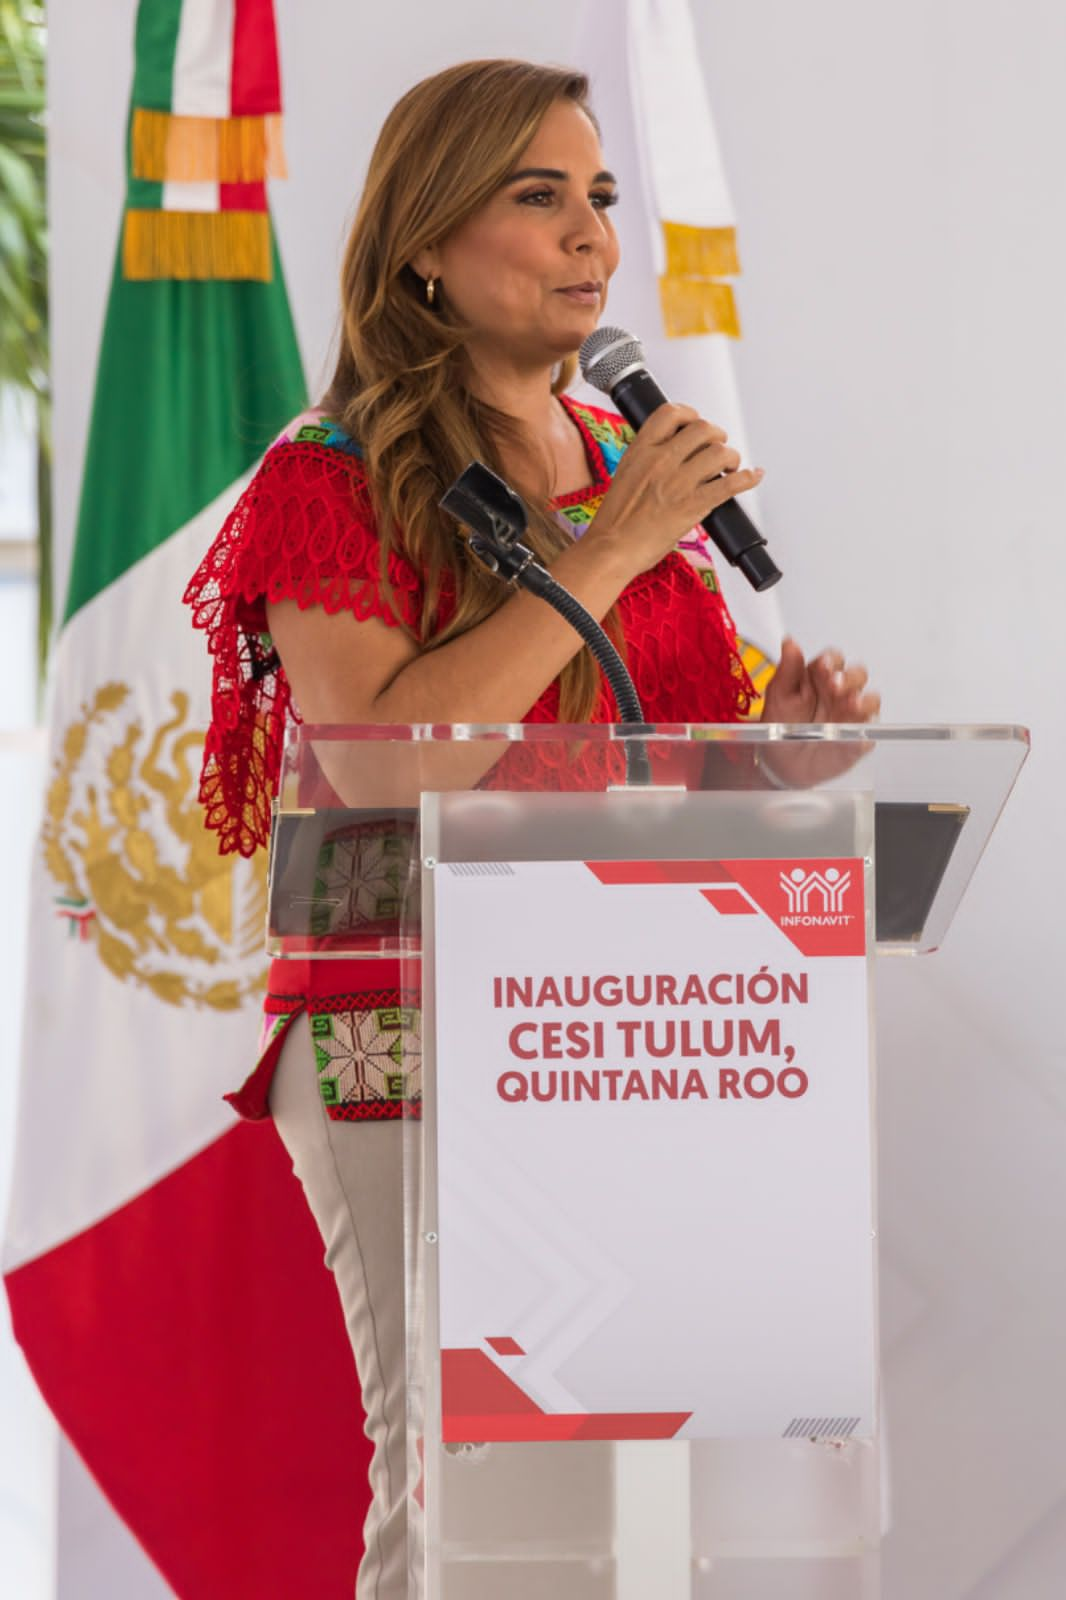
{"type": "Point", "coordinates": [349, 797]}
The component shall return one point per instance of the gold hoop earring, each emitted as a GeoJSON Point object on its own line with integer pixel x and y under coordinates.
{"type": "Point", "coordinates": [431, 291]}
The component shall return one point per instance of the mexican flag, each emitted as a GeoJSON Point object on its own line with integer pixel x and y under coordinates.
{"type": "Point", "coordinates": [165, 1278]}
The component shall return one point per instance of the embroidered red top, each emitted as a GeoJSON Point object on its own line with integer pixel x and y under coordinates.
{"type": "Point", "coordinates": [304, 530]}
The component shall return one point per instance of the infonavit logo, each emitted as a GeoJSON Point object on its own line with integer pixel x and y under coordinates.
{"type": "Point", "coordinates": [817, 902]}
{"type": "Point", "coordinates": [816, 898]}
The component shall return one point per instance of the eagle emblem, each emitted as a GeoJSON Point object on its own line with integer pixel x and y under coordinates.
{"type": "Point", "coordinates": [139, 877]}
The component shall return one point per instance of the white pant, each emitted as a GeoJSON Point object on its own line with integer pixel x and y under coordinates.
{"type": "Point", "coordinates": [352, 1176]}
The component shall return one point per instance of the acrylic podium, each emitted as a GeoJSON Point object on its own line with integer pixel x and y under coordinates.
{"type": "Point", "coordinates": [640, 1194]}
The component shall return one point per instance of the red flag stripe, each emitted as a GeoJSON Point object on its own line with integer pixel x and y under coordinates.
{"type": "Point", "coordinates": [242, 197]}
{"type": "Point", "coordinates": [193, 1348]}
{"type": "Point", "coordinates": [255, 79]}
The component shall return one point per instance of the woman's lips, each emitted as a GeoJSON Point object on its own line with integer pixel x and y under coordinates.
{"type": "Point", "coordinates": [586, 294]}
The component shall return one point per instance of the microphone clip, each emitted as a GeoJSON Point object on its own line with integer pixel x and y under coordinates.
{"type": "Point", "coordinates": [495, 518]}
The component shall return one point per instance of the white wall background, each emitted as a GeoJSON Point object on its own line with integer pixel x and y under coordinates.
{"type": "Point", "coordinates": [897, 172]}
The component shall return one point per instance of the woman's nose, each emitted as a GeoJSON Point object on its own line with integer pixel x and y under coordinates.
{"type": "Point", "coordinates": [585, 227]}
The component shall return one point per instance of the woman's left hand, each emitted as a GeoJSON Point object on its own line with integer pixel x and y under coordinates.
{"type": "Point", "coordinates": [825, 689]}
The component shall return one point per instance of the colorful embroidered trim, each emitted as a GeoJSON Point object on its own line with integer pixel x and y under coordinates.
{"type": "Point", "coordinates": [368, 1049]}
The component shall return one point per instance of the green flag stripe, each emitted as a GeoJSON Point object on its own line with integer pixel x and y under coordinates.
{"type": "Point", "coordinates": [144, 194]}
{"type": "Point", "coordinates": [194, 380]}
{"type": "Point", "coordinates": [155, 46]}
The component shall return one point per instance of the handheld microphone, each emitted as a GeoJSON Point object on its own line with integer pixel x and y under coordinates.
{"type": "Point", "coordinates": [613, 360]}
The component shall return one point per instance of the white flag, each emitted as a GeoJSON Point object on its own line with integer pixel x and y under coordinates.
{"type": "Point", "coordinates": [677, 230]}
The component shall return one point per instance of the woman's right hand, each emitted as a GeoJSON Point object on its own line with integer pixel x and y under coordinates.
{"type": "Point", "coordinates": [677, 469]}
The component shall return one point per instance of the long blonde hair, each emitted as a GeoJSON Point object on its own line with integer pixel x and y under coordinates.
{"type": "Point", "coordinates": [401, 384]}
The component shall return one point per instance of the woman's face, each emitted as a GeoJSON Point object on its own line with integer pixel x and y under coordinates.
{"type": "Point", "coordinates": [529, 271]}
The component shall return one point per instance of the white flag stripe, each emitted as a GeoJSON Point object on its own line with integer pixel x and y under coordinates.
{"type": "Point", "coordinates": [191, 196]}
{"type": "Point", "coordinates": [697, 370]}
{"type": "Point", "coordinates": [203, 60]}
{"type": "Point", "coordinates": [165, 1070]}
{"type": "Point", "coordinates": [684, 160]}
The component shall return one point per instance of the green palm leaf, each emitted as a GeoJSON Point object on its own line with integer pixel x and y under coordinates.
{"type": "Point", "coordinates": [24, 363]}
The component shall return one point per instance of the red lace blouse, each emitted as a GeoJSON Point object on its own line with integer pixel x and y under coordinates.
{"type": "Point", "coordinates": [303, 530]}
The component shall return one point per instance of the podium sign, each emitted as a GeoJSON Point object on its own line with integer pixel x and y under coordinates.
{"type": "Point", "coordinates": [655, 1181]}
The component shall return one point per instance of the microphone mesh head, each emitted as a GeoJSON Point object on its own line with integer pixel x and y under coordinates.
{"type": "Point", "coordinates": [606, 354]}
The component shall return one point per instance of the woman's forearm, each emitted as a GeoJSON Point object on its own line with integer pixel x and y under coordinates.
{"type": "Point", "coordinates": [499, 669]}
{"type": "Point", "coordinates": [492, 674]}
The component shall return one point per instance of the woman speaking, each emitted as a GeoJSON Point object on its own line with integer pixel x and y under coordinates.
{"type": "Point", "coordinates": [337, 591]}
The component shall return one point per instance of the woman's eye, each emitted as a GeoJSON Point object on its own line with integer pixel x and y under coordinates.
{"type": "Point", "coordinates": [600, 198]}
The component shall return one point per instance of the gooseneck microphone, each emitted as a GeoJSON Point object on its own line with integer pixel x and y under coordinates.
{"type": "Point", "coordinates": [495, 519]}
{"type": "Point", "coordinates": [613, 360]}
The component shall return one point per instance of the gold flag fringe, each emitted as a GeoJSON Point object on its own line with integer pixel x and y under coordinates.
{"type": "Point", "coordinates": [697, 305]}
{"type": "Point", "coordinates": [197, 244]}
{"type": "Point", "coordinates": [693, 300]}
{"type": "Point", "coordinates": [760, 670]}
{"type": "Point", "coordinates": [700, 252]}
{"type": "Point", "coordinates": [170, 149]}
